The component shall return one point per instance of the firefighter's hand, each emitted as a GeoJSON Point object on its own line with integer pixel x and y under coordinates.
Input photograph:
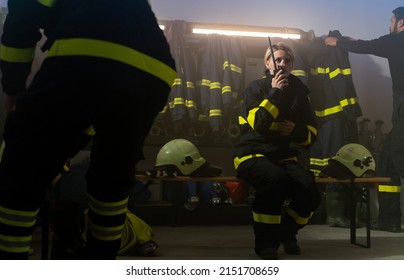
{"type": "Point", "coordinates": [331, 41]}
{"type": "Point", "coordinates": [286, 127]}
{"type": "Point", "coordinates": [9, 103]}
{"type": "Point", "coordinates": [280, 80]}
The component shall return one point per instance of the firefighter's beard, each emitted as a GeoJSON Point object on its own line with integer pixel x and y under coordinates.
{"type": "Point", "coordinates": [395, 30]}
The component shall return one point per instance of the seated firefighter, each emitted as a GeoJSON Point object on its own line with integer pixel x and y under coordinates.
{"type": "Point", "coordinates": [274, 119]}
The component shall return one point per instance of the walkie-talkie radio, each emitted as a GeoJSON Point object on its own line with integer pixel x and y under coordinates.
{"type": "Point", "coordinates": [277, 68]}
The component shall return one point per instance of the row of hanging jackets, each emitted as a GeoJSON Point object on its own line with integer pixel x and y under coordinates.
{"type": "Point", "coordinates": [209, 81]}
{"type": "Point", "coordinates": [210, 78]}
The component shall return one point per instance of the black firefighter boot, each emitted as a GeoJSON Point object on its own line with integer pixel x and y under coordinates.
{"type": "Point", "coordinates": [335, 207]}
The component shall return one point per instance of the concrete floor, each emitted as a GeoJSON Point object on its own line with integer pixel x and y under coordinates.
{"type": "Point", "coordinates": [318, 242]}
{"type": "Point", "coordinates": [235, 242]}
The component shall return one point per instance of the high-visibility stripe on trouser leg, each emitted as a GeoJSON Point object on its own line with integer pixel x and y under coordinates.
{"type": "Point", "coordinates": [297, 218]}
{"type": "Point", "coordinates": [107, 208]}
{"type": "Point", "coordinates": [15, 244]}
{"type": "Point", "coordinates": [266, 230]}
{"type": "Point", "coordinates": [111, 230]}
{"type": "Point", "coordinates": [16, 228]}
{"type": "Point", "coordinates": [266, 219]}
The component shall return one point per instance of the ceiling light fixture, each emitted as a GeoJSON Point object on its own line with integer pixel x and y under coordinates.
{"type": "Point", "coordinates": [245, 33]}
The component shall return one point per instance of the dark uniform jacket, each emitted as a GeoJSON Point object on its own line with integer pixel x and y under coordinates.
{"type": "Point", "coordinates": [389, 46]}
{"type": "Point", "coordinates": [264, 107]}
{"type": "Point", "coordinates": [64, 24]}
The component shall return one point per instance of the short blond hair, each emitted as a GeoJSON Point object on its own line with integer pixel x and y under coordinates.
{"type": "Point", "coordinates": [279, 46]}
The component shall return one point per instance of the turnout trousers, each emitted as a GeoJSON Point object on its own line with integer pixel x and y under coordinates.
{"type": "Point", "coordinates": [391, 164]}
{"type": "Point", "coordinates": [275, 221]}
{"type": "Point", "coordinates": [67, 96]}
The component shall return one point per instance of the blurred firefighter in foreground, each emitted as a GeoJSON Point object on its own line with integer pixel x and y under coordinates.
{"type": "Point", "coordinates": [108, 65]}
{"type": "Point", "coordinates": [276, 115]}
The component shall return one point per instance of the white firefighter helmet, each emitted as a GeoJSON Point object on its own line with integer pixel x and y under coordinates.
{"type": "Point", "coordinates": [182, 154]}
{"type": "Point", "coordinates": [356, 158]}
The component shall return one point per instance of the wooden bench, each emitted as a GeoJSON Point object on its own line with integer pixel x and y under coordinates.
{"type": "Point", "coordinates": [361, 185]}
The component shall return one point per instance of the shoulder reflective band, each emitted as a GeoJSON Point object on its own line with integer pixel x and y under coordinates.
{"type": "Point", "coordinates": [47, 3]}
{"type": "Point", "coordinates": [10, 54]}
{"type": "Point", "coordinates": [113, 51]}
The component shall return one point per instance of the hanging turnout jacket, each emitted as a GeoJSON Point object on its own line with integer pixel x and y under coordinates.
{"type": "Point", "coordinates": [220, 73]}
{"type": "Point", "coordinates": [332, 92]}
{"type": "Point", "coordinates": [182, 103]}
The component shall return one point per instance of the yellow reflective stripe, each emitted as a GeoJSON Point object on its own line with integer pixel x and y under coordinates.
{"type": "Point", "coordinates": [165, 109]}
{"type": "Point", "coordinates": [251, 117]}
{"type": "Point", "coordinates": [337, 108]}
{"type": "Point", "coordinates": [319, 161]}
{"type": "Point", "coordinates": [190, 84]}
{"type": "Point", "coordinates": [271, 108]}
{"type": "Point", "coordinates": [318, 70]}
{"type": "Point", "coordinates": [338, 71]}
{"type": "Point", "coordinates": [10, 54]}
{"type": "Point", "coordinates": [215, 85]}
{"type": "Point", "coordinates": [226, 89]}
{"type": "Point", "coordinates": [18, 218]}
{"type": "Point", "coordinates": [47, 3]}
{"type": "Point", "coordinates": [90, 131]}
{"type": "Point", "coordinates": [289, 159]}
{"type": "Point", "coordinates": [331, 74]}
{"type": "Point", "coordinates": [232, 67]}
{"type": "Point", "coordinates": [316, 172]}
{"type": "Point", "coordinates": [205, 82]}
{"type": "Point", "coordinates": [107, 208]}
{"type": "Point", "coordinates": [215, 113]}
{"type": "Point", "coordinates": [267, 219]}
{"type": "Point", "coordinates": [238, 161]}
{"type": "Point", "coordinates": [311, 130]}
{"type": "Point", "coordinates": [298, 219]}
{"type": "Point", "coordinates": [317, 165]}
{"type": "Point", "coordinates": [177, 82]}
{"type": "Point", "coordinates": [236, 68]}
{"type": "Point", "coordinates": [241, 120]}
{"type": "Point", "coordinates": [106, 233]}
{"type": "Point", "coordinates": [299, 73]}
{"type": "Point", "coordinates": [179, 101]}
{"type": "Point", "coordinates": [389, 188]}
{"type": "Point", "coordinates": [15, 244]}
{"type": "Point", "coordinates": [190, 104]}
{"type": "Point", "coordinates": [274, 126]}
{"type": "Point", "coordinates": [113, 51]}
{"type": "Point", "coordinates": [66, 168]}
{"type": "Point", "coordinates": [268, 106]}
